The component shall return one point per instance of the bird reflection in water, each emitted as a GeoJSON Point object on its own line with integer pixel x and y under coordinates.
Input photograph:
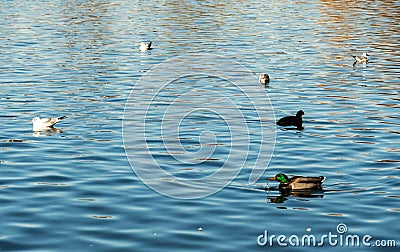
{"type": "Point", "coordinates": [49, 131]}
{"type": "Point", "coordinates": [285, 195]}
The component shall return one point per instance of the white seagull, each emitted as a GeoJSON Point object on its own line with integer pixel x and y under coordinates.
{"type": "Point", "coordinates": [264, 79]}
{"type": "Point", "coordinates": [144, 47]}
{"type": "Point", "coordinates": [39, 124]}
{"type": "Point", "coordinates": [361, 59]}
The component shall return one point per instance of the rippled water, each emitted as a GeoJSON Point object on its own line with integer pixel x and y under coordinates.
{"type": "Point", "coordinates": [74, 188]}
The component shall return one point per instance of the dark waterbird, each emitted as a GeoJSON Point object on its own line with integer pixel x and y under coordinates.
{"type": "Point", "coordinates": [296, 120]}
{"type": "Point", "coordinates": [297, 183]}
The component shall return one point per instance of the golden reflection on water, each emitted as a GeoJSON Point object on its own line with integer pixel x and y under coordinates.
{"type": "Point", "coordinates": [351, 23]}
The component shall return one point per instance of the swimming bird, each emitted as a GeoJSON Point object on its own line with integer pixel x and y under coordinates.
{"type": "Point", "coordinates": [361, 59]}
{"type": "Point", "coordinates": [264, 79]}
{"type": "Point", "coordinates": [297, 182]}
{"type": "Point", "coordinates": [292, 120]}
{"type": "Point", "coordinates": [39, 124]}
{"type": "Point", "coordinates": [144, 47]}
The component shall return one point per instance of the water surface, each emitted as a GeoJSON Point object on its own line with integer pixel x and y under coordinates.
{"type": "Point", "coordinates": [74, 189]}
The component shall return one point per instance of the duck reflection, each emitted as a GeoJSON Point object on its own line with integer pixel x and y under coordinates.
{"type": "Point", "coordinates": [286, 194]}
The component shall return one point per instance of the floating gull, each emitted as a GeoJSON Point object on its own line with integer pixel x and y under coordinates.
{"type": "Point", "coordinates": [264, 79]}
{"type": "Point", "coordinates": [40, 124]}
{"type": "Point", "coordinates": [361, 59]}
{"type": "Point", "coordinates": [144, 47]}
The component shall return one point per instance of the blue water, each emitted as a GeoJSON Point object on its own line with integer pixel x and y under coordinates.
{"type": "Point", "coordinates": [74, 188]}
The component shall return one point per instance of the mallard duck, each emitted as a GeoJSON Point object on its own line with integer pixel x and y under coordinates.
{"type": "Point", "coordinates": [296, 120]}
{"type": "Point", "coordinates": [144, 47]}
{"type": "Point", "coordinates": [297, 182]}
{"type": "Point", "coordinates": [264, 79]}
{"type": "Point", "coordinates": [361, 59]}
{"type": "Point", "coordinates": [39, 124]}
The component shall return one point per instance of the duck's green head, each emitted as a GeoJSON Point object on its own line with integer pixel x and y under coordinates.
{"type": "Point", "coordinates": [280, 177]}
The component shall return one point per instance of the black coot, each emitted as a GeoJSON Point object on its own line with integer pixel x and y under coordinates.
{"type": "Point", "coordinates": [292, 120]}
